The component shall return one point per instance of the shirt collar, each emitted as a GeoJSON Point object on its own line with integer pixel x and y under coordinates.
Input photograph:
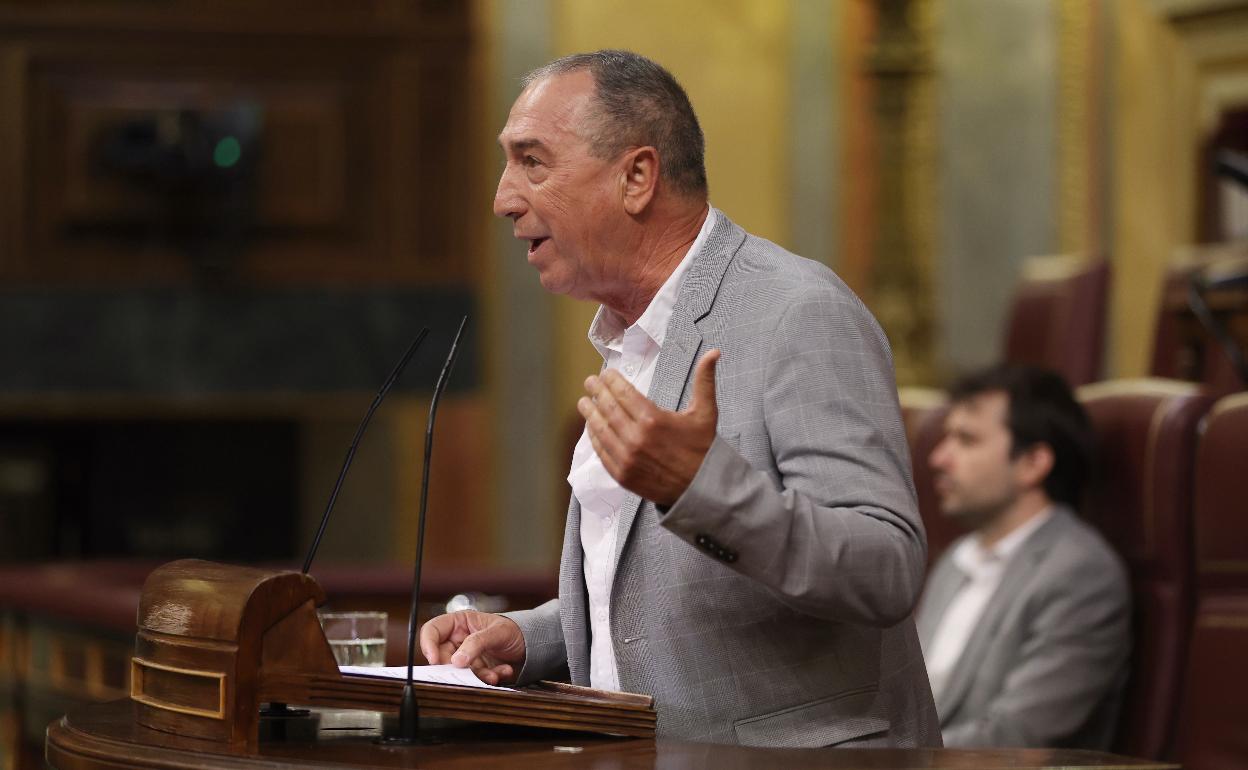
{"type": "Point", "coordinates": [975, 560]}
{"type": "Point", "coordinates": [607, 332]}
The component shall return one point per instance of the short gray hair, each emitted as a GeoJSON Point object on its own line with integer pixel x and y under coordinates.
{"type": "Point", "coordinates": [639, 104]}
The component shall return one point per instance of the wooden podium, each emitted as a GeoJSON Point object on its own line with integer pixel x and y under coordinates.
{"type": "Point", "coordinates": [216, 641]}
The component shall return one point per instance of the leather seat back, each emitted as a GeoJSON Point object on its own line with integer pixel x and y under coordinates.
{"type": "Point", "coordinates": [1057, 316]}
{"type": "Point", "coordinates": [1140, 498]}
{"type": "Point", "coordinates": [1213, 728]}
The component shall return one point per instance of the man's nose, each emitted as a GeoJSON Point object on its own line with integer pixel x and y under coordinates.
{"type": "Point", "coordinates": [936, 460]}
{"type": "Point", "coordinates": [507, 203]}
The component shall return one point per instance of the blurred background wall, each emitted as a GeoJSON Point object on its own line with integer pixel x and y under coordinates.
{"type": "Point", "coordinates": [221, 222]}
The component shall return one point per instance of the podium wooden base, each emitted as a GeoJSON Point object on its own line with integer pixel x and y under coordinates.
{"type": "Point", "coordinates": [107, 736]}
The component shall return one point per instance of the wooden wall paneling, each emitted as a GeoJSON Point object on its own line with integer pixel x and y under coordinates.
{"type": "Point", "coordinates": [293, 19]}
{"type": "Point", "coordinates": [359, 250]}
{"type": "Point", "coordinates": [349, 93]}
{"type": "Point", "coordinates": [448, 202]}
{"type": "Point", "coordinates": [367, 179]}
{"type": "Point", "coordinates": [401, 119]}
{"type": "Point", "coordinates": [430, 162]}
{"type": "Point", "coordinates": [302, 170]}
{"type": "Point", "coordinates": [316, 207]}
{"type": "Point", "coordinates": [12, 140]}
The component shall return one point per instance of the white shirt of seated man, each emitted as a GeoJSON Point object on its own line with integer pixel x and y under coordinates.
{"type": "Point", "coordinates": [983, 568]}
{"type": "Point", "coordinates": [634, 352]}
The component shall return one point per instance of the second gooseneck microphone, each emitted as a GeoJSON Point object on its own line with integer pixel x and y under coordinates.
{"type": "Point", "coordinates": [409, 713]}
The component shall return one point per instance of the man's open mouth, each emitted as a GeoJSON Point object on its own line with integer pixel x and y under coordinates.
{"type": "Point", "coordinates": [535, 244]}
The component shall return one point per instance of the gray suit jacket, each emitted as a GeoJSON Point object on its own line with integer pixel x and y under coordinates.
{"type": "Point", "coordinates": [771, 605]}
{"type": "Point", "coordinates": [1046, 663]}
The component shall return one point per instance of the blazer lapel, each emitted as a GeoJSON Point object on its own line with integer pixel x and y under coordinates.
{"type": "Point", "coordinates": [573, 613]}
{"type": "Point", "coordinates": [942, 586]}
{"type": "Point", "coordinates": [671, 372]}
{"type": "Point", "coordinates": [683, 340]}
{"type": "Point", "coordinates": [1016, 575]}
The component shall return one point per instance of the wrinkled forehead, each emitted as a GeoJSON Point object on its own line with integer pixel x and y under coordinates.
{"type": "Point", "coordinates": [551, 111]}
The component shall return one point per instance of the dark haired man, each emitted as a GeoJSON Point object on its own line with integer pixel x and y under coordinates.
{"type": "Point", "coordinates": [742, 541]}
{"type": "Point", "coordinates": [1025, 621]}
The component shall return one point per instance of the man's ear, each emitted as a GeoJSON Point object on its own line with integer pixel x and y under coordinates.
{"type": "Point", "coordinates": [1034, 465]}
{"type": "Point", "coordinates": [641, 178]}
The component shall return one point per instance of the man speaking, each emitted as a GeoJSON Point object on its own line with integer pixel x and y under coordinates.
{"type": "Point", "coordinates": [742, 541]}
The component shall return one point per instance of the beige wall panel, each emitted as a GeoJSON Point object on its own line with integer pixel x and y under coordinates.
{"type": "Point", "coordinates": [732, 58]}
{"type": "Point", "coordinates": [998, 100]}
{"type": "Point", "coordinates": [527, 498]}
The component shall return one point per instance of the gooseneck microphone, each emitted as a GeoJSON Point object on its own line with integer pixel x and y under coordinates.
{"type": "Point", "coordinates": [1198, 286]}
{"type": "Point", "coordinates": [355, 442]}
{"type": "Point", "coordinates": [409, 714]}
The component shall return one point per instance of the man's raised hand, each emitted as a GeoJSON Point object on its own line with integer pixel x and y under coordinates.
{"type": "Point", "coordinates": [651, 451]}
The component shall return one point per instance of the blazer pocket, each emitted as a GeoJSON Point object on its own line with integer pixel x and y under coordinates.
{"type": "Point", "coordinates": [830, 721]}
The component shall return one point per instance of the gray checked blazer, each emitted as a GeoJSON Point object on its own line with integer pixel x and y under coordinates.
{"type": "Point", "coordinates": [1046, 663]}
{"type": "Point", "coordinates": [771, 605]}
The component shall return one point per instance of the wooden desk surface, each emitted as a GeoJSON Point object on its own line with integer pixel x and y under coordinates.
{"type": "Point", "coordinates": [106, 736]}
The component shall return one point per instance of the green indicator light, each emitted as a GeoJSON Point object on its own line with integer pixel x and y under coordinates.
{"type": "Point", "coordinates": [227, 152]}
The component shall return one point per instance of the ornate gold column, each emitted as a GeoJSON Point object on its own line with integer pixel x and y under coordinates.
{"type": "Point", "coordinates": [900, 287]}
{"type": "Point", "coordinates": [1080, 130]}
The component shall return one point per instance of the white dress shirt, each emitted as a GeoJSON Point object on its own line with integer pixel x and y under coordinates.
{"type": "Point", "coordinates": [633, 352]}
{"type": "Point", "coordinates": [983, 568]}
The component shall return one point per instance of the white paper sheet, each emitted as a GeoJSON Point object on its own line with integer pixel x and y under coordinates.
{"type": "Point", "coordinates": [444, 674]}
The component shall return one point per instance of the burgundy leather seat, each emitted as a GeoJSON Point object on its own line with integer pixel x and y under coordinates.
{"type": "Point", "coordinates": [923, 412]}
{"type": "Point", "coordinates": [1057, 317]}
{"type": "Point", "coordinates": [1141, 499]}
{"type": "Point", "coordinates": [1213, 719]}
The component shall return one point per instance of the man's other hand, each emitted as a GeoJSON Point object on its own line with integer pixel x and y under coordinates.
{"type": "Point", "coordinates": [491, 645]}
{"type": "Point", "coordinates": [651, 451]}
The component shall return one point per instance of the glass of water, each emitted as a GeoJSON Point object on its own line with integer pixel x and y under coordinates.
{"type": "Point", "coordinates": [357, 638]}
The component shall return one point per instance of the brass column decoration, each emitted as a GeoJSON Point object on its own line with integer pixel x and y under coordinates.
{"type": "Point", "coordinates": [1079, 80]}
{"type": "Point", "coordinates": [900, 290]}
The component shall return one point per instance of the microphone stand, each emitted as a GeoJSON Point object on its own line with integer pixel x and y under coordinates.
{"type": "Point", "coordinates": [355, 442]}
{"type": "Point", "coordinates": [280, 710]}
{"type": "Point", "coordinates": [1196, 289]}
{"type": "Point", "coordinates": [409, 711]}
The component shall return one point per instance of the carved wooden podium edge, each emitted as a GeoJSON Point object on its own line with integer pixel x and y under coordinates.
{"type": "Point", "coordinates": [215, 641]}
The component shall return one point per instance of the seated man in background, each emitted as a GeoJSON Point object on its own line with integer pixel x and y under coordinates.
{"type": "Point", "coordinates": [1025, 622]}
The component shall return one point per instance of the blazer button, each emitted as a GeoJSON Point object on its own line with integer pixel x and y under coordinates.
{"type": "Point", "coordinates": [731, 557]}
{"type": "Point", "coordinates": [702, 540]}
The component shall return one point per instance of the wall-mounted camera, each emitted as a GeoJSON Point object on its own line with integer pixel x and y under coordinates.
{"type": "Point", "coordinates": [199, 168]}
